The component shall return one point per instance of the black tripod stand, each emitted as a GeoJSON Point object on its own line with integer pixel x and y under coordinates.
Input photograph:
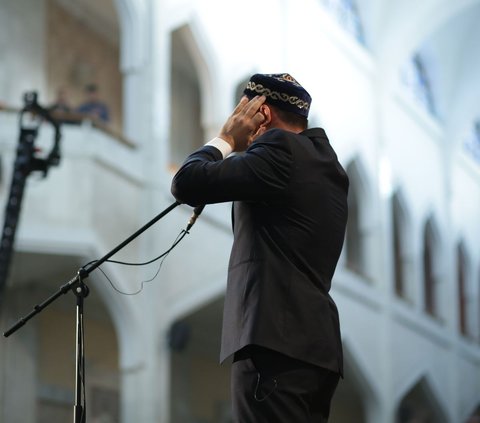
{"type": "Point", "coordinates": [77, 286]}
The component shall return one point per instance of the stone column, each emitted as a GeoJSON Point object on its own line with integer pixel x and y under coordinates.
{"type": "Point", "coordinates": [18, 362]}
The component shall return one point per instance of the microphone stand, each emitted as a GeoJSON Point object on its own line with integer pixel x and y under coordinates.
{"type": "Point", "coordinates": [81, 291]}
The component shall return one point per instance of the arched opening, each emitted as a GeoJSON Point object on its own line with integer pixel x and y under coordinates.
{"type": "Point", "coordinates": [357, 236]}
{"type": "Point", "coordinates": [477, 319]}
{"type": "Point", "coordinates": [419, 405]}
{"type": "Point", "coordinates": [346, 13]}
{"type": "Point", "coordinates": [471, 142]}
{"type": "Point", "coordinates": [83, 52]}
{"type": "Point", "coordinates": [475, 417]}
{"type": "Point", "coordinates": [354, 237]}
{"type": "Point", "coordinates": [463, 291]}
{"type": "Point", "coordinates": [354, 399]}
{"type": "Point", "coordinates": [431, 251]}
{"type": "Point", "coordinates": [400, 244]}
{"type": "Point", "coordinates": [195, 347]}
{"type": "Point", "coordinates": [186, 131]}
{"type": "Point", "coordinates": [47, 365]}
{"type": "Point", "coordinates": [415, 77]}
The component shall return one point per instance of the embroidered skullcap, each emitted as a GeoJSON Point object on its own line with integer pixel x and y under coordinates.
{"type": "Point", "coordinates": [281, 90]}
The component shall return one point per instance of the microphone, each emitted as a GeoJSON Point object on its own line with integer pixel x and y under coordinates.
{"type": "Point", "coordinates": [197, 211]}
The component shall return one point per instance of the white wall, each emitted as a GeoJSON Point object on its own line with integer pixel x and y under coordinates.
{"type": "Point", "coordinates": [22, 48]}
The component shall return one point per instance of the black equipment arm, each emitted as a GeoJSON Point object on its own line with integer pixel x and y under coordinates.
{"type": "Point", "coordinates": [26, 162]}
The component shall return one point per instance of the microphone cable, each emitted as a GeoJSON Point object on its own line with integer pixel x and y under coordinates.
{"type": "Point", "coordinates": [161, 257]}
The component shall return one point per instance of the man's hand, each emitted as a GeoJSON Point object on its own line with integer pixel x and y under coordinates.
{"type": "Point", "coordinates": [241, 127]}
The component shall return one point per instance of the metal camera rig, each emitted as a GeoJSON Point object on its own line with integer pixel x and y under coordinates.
{"type": "Point", "coordinates": [27, 161]}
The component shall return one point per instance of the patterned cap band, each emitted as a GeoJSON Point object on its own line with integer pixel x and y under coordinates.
{"type": "Point", "coordinates": [281, 90]}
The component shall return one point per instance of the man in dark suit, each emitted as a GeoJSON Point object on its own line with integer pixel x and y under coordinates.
{"type": "Point", "coordinates": [290, 210]}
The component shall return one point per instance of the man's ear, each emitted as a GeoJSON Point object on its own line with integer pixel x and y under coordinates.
{"type": "Point", "coordinates": [265, 125]}
{"type": "Point", "coordinates": [267, 113]}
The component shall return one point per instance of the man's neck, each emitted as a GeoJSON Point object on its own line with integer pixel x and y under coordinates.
{"type": "Point", "coordinates": [282, 125]}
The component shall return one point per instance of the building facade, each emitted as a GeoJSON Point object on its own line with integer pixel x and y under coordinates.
{"type": "Point", "coordinates": [396, 87]}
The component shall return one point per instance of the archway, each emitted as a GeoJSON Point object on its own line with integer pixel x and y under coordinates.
{"type": "Point", "coordinates": [47, 365]}
{"type": "Point", "coordinates": [358, 236]}
{"type": "Point", "coordinates": [401, 247]}
{"type": "Point", "coordinates": [195, 347]}
{"type": "Point", "coordinates": [186, 132]}
{"type": "Point", "coordinates": [431, 278]}
{"type": "Point", "coordinates": [420, 405]}
{"type": "Point", "coordinates": [355, 399]}
{"type": "Point", "coordinates": [101, 42]}
{"type": "Point", "coordinates": [83, 49]}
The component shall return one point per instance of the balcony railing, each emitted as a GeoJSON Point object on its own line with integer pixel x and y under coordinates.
{"type": "Point", "coordinates": [74, 118]}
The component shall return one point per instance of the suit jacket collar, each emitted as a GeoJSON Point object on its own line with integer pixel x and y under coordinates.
{"type": "Point", "coordinates": [314, 133]}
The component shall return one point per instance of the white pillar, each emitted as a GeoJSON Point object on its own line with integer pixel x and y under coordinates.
{"type": "Point", "coordinates": [135, 108]}
{"type": "Point", "coordinates": [18, 363]}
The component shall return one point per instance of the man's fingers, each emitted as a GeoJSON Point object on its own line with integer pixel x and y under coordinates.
{"type": "Point", "coordinates": [240, 105]}
{"type": "Point", "coordinates": [242, 124]}
{"type": "Point", "coordinates": [257, 119]}
{"type": "Point", "coordinates": [254, 104]}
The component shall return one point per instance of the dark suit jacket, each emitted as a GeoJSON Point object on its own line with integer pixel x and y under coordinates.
{"type": "Point", "coordinates": [290, 213]}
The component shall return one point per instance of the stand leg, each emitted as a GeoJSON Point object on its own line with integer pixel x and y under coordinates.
{"type": "Point", "coordinates": [79, 410]}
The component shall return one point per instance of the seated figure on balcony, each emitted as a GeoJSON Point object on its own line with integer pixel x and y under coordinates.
{"type": "Point", "coordinates": [93, 107]}
{"type": "Point", "coordinates": [61, 103]}
{"type": "Point", "coordinates": [61, 108]}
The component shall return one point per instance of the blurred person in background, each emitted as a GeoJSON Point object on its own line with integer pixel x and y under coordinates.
{"type": "Point", "coordinates": [94, 107]}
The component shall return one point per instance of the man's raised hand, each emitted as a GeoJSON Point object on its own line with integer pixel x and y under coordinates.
{"type": "Point", "coordinates": [243, 123]}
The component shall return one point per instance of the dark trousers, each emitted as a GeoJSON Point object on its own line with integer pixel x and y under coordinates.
{"type": "Point", "coordinates": [269, 387]}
